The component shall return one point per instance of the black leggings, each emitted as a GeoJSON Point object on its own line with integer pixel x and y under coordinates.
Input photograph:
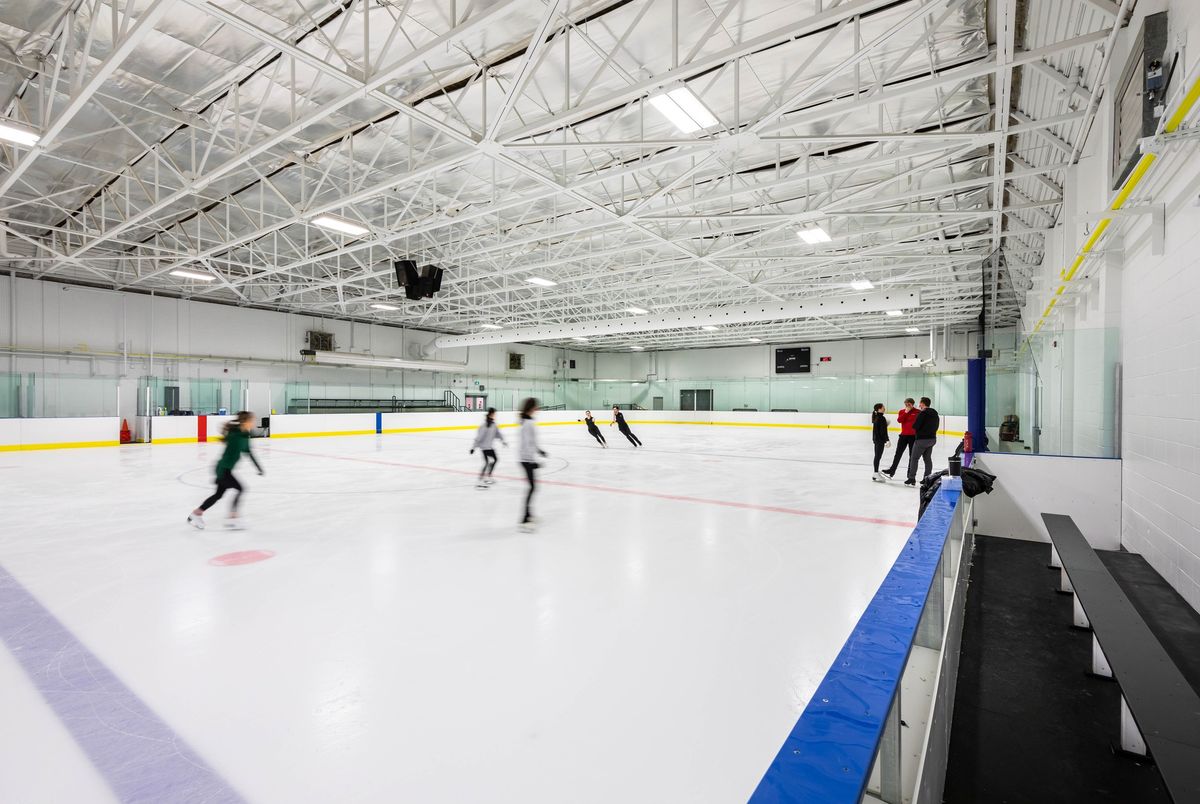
{"type": "Point", "coordinates": [529, 470]}
{"type": "Point", "coordinates": [489, 463]}
{"type": "Point", "coordinates": [879, 445]}
{"type": "Point", "coordinates": [625, 431]}
{"type": "Point", "coordinates": [225, 482]}
{"type": "Point", "coordinates": [904, 442]}
{"type": "Point", "coordinates": [596, 434]}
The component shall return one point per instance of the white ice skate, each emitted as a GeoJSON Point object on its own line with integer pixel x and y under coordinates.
{"type": "Point", "coordinates": [482, 484]}
{"type": "Point", "coordinates": [196, 522]}
{"type": "Point", "coordinates": [527, 527]}
{"type": "Point", "coordinates": [235, 523]}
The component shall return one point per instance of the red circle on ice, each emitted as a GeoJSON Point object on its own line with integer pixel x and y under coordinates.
{"type": "Point", "coordinates": [241, 557]}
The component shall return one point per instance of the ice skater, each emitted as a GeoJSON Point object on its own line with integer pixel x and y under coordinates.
{"type": "Point", "coordinates": [925, 428]}
{"type": "Point", "coordinates": [906, 417]}
{"type": "Point", "coordinates": [619, 420]}
{"type": "Point", "coordinates": [593, 430]}
{"type": "Point", "coordinates": [485, 436]}
{"type": "Point", "coordinates": [879, 434]}
{"type": "Point", "coordinates": [237, 443]}
{"type": "Point", "coordinates": [529, 452]}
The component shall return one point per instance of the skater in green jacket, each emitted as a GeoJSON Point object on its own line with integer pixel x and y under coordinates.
{"type": "Point", "coordinates": [237, 443]}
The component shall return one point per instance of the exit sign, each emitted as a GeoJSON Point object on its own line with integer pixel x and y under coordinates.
{"type": "Point", "coordinates": [826, 359]}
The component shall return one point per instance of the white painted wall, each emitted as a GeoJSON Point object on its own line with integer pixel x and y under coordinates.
{"type": "Point", "coordinates": [221, 342]}
{"type": "Point", "coordinates": [1086, 489]}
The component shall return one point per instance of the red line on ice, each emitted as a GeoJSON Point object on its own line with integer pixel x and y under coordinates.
{"type": "Point", "coordinates": [774, 509]}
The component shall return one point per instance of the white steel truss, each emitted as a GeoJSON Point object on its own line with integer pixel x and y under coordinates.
{"type": "Point", "coordinates": [519, 140]}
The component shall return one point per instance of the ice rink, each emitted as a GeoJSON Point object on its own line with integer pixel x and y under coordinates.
{"type": "Point", "coordinates": [401, 641]}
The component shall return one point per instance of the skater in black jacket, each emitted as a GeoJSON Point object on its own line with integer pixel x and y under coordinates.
{"type": "Point", "coordinates": [592, 429]}
{"type": "Point", "coordinates": [879, 434]}
{"type": "Point", "coordinates": [619, 421]}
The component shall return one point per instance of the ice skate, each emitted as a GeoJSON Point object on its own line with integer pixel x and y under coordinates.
{"type": "Point", "coordinates": [196, 522]}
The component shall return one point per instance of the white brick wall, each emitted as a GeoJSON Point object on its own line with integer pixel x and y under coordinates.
{"type": "Point", "coordinates": [1161, 416]}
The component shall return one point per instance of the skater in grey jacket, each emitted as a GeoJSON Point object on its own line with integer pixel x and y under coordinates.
{"type": "Point", "coordinates": [528, 452]}
{"type": "Point", "coordinates": [485, 436]}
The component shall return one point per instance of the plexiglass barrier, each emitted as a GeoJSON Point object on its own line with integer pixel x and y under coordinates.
{"type": "Point", "coordinates": [44, 395]}
{"type": "Point", "coordinates": [57, 396]}
{"type": "Point", "coordinates": [1057, 394]}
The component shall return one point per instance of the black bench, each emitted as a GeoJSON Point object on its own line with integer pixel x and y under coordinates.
{"type": "Point", "coordinates": [1159, 708]}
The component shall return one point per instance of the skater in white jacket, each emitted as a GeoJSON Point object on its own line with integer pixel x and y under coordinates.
{"type": "Point", "coordinates": [529, 452]}
{"type": "Point", "coordinates": [485, 436]}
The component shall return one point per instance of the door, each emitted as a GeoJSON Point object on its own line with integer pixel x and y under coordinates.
{"type": "Point", "coordinates": [704, 399]}
{"type": "Point", "coordinates": [687, 400]}
{"type": "Point", "coordinates": [656, 403]}
{"type": "Point", "coordinates": [171, 397]}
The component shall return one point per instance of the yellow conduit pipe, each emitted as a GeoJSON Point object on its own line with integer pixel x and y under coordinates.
{"type": "Point", "coordinates": [1127, 187]}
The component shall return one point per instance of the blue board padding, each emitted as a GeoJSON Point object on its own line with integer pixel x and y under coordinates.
{"type": "Point", "coordinates": [378, 423]}
{"type": "Point", "coordinates": [827, 758]}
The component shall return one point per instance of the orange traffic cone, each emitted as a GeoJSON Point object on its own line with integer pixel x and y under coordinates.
{"type": "Point", "coordinates": [126, 436]}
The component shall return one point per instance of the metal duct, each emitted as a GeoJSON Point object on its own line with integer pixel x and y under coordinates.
{"type": "Point", "coordinates": [370, 361]}
{"type": "Point", "coordinates": [878, 302]}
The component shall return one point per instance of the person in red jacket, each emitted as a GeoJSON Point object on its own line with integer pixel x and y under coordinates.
{"type": "Point", "coordinates": [907, 417]}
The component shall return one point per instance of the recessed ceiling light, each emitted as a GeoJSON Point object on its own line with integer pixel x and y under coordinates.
{"type": "Point", "coordinates": [895, 312]}
{"type": "Point", "coordinates": [490, 326]}
{"type": "Point", "coordinates": [813, 235]}
{"type": "Point", "coordinates": [384, 307]}
{"type": "Point", "coordinates": [15, 132]}
{"type": "Point", "coordinates": [336, 224]}
{"type": "Point", "coordinates": [755, 340]}
{"type": "Point", "coordinates": [636, 310]}
{"type": "Point", "coordinates": [913, 330]}
{"type": "Point", "coordinates": [684, 110]}
{"type": "Point", "coordinates": [537, 280]}
{"type": "Point", "coordinates": [862, 284]}
{"type": "Point", "coordinates": [198, 276]}
{"type": "Point", "coordinates": [710, 328]}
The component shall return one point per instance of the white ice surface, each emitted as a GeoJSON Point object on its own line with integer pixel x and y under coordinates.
{"type": "Point", "coordinates": [408, 644]}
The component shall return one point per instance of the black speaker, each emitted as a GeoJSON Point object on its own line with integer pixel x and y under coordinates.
{"type": "Point", "coordinates": [406, 272]}
{"type": "Point", "coordinates": [433, 275]}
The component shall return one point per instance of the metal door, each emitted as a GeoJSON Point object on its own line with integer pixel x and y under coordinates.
{"type": "Point", "coordinates": [704, 399]}
{"type": "Point", "coordinates": [687, 400]}
{"type": "Point", "coordinates": [656, 403]}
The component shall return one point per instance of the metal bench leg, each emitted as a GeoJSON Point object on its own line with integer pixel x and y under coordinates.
{"type": "Point", "coordinates": [1079, 620]}
{"type": "Point", "coordinates": [1100, 662]}
{"type": "Point", "coordinates": [1131, 737]}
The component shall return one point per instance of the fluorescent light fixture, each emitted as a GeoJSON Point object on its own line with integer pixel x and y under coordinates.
{"type": "Point", "coordinates": [197, 275]}
{"type": "Point", "coordinates": [490, 326]}
{"type": "Point", "coordinates": [684, 110]}
{"type": "Point", "coordinates": [754, 340]}
{"type": "Point", "coordinates": [895, 312]}
{"type": "Point", "coordinates": [581, 340]}
{"type": "Point", "coordinates": [868, 379]}
{"type": "Point", "coordinates": [384, 307]}
{"type": "Point", "coordinates": [637, 348]}
{"type": "Point", "coordinates": [912, 330]}
{"type": "Point", "coordinates": [537, 280]}
{"type": "Point", "coordinates": [829, 378]}
{"type": "Point", "coordinates": [15, 132]}
{"type": "Point", "coordinates": [709, 328]}
{"type": "Point", "coordinates": [862, 284]}
{"type": "Point", "coordinates": [636, 310]}
{"type": "Point", "coordinates": [340, 225]}
{"type": "Point", "coordinates": [813, 235]}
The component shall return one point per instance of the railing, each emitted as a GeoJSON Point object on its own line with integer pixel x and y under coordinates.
{"type": "Point", "coordinates": [900, 663]}
{"type": "Point", "coordinates": [451, 400]}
